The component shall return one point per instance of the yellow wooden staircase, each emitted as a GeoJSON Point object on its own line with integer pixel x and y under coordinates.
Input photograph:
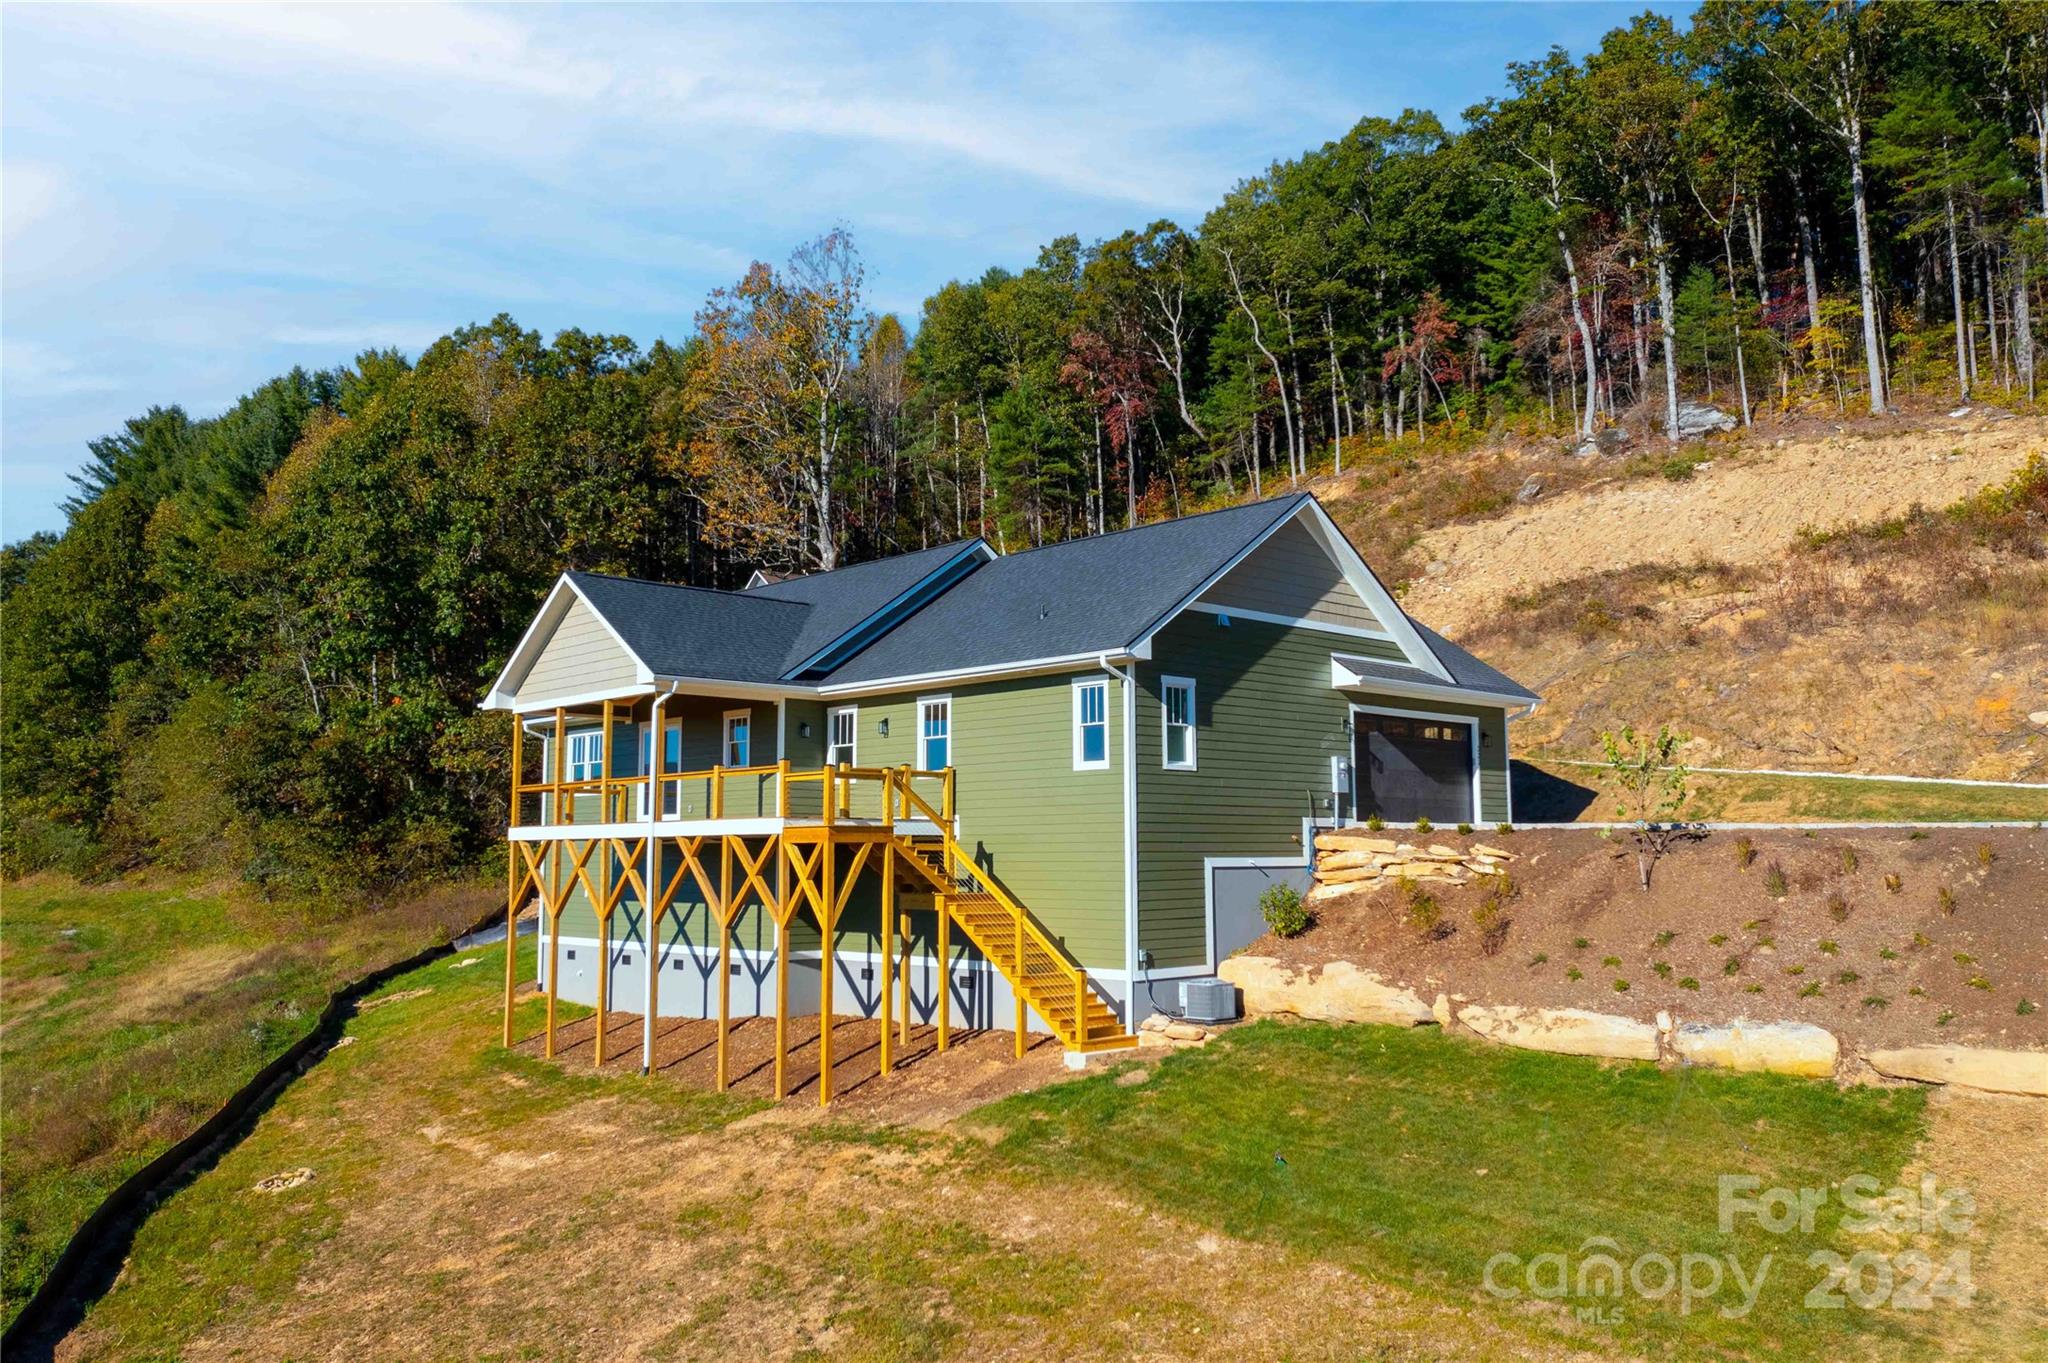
{"type": "Point", "coordinates": [1042, 975]}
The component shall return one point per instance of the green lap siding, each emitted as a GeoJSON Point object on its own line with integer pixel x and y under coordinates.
{"type": "Point", "coordinates": [1268, 724]}
{"type": "Point", "coordinates": [1052, 835]}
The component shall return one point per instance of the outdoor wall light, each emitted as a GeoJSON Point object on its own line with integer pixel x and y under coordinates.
{"type": "Point", "coordinates": [883, 727]}
{"type": "Point", "coordinates": [803, 728]}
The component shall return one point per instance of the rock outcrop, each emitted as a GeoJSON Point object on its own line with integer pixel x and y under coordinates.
{"type": "Point", "coordinates": [1777, 1047]}
{"type": "Point", "coordinates": [1338, 992]}
{"type": "Point", "coordinates": [2024, 1072]}
{"type": "Point", "coordinates": [1564, 1031]}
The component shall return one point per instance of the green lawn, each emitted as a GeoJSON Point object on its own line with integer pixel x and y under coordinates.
{"type": "Point", "coordinates": [1358, 1180]}
{"type": "Point", "coordinates": [1417, 1157]}
{"type": "Point", "coordinates": [129, 1015]}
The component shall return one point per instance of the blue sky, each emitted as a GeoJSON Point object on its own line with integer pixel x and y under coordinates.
{"type": "Point", "coordinates": [195, 199]}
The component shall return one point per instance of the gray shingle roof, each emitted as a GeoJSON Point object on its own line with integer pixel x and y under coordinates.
{"type": "Point", "coordinates": [696, 632]}
{"type": "Point", "coordinates": [1078, 596]}
{"type": "Point", "coordinates": [1099, 594]}
{"type": "Point", "coordinates": [1466, 671]}
{"type": "Point", "coordinates": [842, 599]}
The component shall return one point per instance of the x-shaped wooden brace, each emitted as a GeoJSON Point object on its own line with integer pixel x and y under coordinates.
{"type": "Point", "coordinates": [560, 898]}
{"type": "Point", "coordinates": [806, 870]}
{"type": "Point", "coordinates": [845, 889]}
{"type": "Point", "coordinates": [753, 876]}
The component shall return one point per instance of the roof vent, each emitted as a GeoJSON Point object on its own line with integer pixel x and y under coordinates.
{"type": "Point", "coordinates": [1208, 1000]}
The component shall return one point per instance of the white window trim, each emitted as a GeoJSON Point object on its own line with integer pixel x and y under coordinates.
{"type": "Point", "coordinates": [1082, 685]}
{"type": "Point", "coordinates": [585, 739]}
{"type": "Point", "coordinates": [1472, 724]}
{"type": "Point", "coordinates": [1166, 723]}
{"type": "Point", "coordinates": [725, 738]}
{"type": "Point", "coordinates": [852, 712]}
{"type": "Point", "coordinates": [917, 737]}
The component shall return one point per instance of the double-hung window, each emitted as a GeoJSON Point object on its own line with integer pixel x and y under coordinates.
{"type": "Point", "coordinates": [935, 733]}
{"type": "Point", "coordinates": [739, 726]}
{"type": "Point", "coordinates": [1177, 702]}
{"type": "Point", "coordinates": [841, 725]}
{"type": "Point", "coordinates": [586, 755]}
{"type": "Point", "coordinates": [1091, 724]}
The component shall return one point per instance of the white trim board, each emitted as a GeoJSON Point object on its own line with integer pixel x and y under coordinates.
{"type": "Point", "coordinates": [1293, 621]}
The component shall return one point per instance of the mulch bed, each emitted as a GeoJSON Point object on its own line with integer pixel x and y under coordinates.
{"type": "Point", "coordinates": [1575, 886]}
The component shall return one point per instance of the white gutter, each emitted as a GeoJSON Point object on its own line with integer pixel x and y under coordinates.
{"type": "Point", "coordinates": [1129, 678]}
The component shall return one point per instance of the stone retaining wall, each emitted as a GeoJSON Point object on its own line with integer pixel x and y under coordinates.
{"type": "Point", "coordinates": [1343, 992]}
{"type": "Point", "coordinates": [1358, 859]}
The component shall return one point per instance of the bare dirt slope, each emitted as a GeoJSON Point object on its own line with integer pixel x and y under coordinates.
{"type": "Point", "coordinates": [1748, 506]}
{"type": "Point", "coordinates": [1710, 941]}
{"type": "Point", "coordinates": [1878, 641]}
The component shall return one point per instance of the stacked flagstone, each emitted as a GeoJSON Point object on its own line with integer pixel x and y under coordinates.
{"type": "Point", "coordinates": [1358, 859]}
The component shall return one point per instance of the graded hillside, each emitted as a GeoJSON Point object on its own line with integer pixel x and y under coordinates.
{"type": "Point", "coordinates": [1862, 597]}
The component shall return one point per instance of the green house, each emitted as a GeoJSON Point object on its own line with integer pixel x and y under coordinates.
{"type": "Point", "coordinates": [1074, 769]}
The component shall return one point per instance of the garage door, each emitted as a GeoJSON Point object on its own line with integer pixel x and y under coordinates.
{"type": "Point", "coordinates": [1409, 769]}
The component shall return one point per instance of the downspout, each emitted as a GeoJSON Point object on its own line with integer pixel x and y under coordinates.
{"type": "Point", "coordinates": [656, 748]}
{"type": "Point", "coordinates": [1129, 678]}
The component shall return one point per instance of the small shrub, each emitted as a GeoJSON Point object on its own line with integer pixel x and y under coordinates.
{"type": "Point", "coordinates": [1964, 958]}
{"type": "Point", "coordinates": [1575, 974]}
{"type": "Point", "coordinates": [1887, 954]}
{"type": "Point", "coordinates": [1917, 835]}
{"type": "Point", "coordinates": [1689, 983]}
{"type": "Point", "coordinates": [1846, 977]}
{"type": "Point", "coordinates": [1581, 943]}
{"type": "Point", "coordinates": [1621, 986]}
{"type": "Point", "coordinates": [1795, 970]}
{"type": "Point", "coordinates": [1421, 911]}
{"type": "Point", "coordinates": [1745, 851]}
{"type": "Point", "coordinates": [1766, 941]}
{"type": "Point", "coordinates": [1775, 884]}
{"type": "Point", "coordinates": [1876, 1001]}
{"type": "Point", "coordinates": [1610, 961]}
{"type": "Point", "coordinates": [1375, 823]}
{"type": "Point", "coordinates": [1503, 828]}
{"type": "Point", "coordinates": [1662, 969]}
{"type": "Point", "coordinates": [1423, 825]}
{"type": "Point", "coordinates": [1828, 947]}
{"type": "Point", "coordinates": [1921, 939]}
{"type": "Point", "coordinates": [1752, 989]}
{"type": "Point", "coordinates": [1539, 958]}
{"type": "Point", "coordinates": [1663, 939]}
{"type": "Point", "coordinates": [1465, 828]}
{"type": "Point", "coordinates": [1732, 966]}
{"type": "Point", "coordinates": [1894, 882]}
{"type": "Point", "coordinates": [1917, 992]}
{"type": "Point", "coordinates": [1717, 939]}
{"type": "Point", "coordinates": [1838, 908]}
{"type": "Point", "coordinates": [1986, 854]}
{"type": "Point", "coordinates": [1285, 913]}
{"type": "Point", "coordinates": [2026, 1007]}
{"type": "Point", "coordinates": [1812, 991]}
{"type": "Point", "coordinates": [1978, 982]}
{"type": "Point", "coordinates": [1947, 1016]}
{"type": "Point", "coordinates": [1753, 924]}
{"type": "Point", "coordinates": [1490, 916]}
{"type": "Point", "coordinates": [1849, 859]}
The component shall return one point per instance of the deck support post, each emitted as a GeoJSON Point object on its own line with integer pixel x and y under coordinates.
{"type": "Point", "coordinates": [945, 971]}
{"type": "Point", "coordinates": [554, 911]}
{"type": "Point", "coordinates": [887, 942]}
{"type": "Point", "coordinates": [725, 915]}
{"type": "Point", "coordinates": [513, 884]}
{"type": "Point", "coordinates": [782, 917]}
{"type": "Point", "coordinates": [827, 919]}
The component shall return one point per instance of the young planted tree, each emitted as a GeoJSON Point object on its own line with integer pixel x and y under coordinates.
{"type": "Point", "coordinates": [1650, 792]}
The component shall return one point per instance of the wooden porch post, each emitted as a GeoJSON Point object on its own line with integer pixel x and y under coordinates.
{"type": "Point", "coordinates": [903, 925]}
{"type": "Point", "coordinates": [945, 971]}
{"type": "Point", "coordinates": [826, 921]}
{"type": "Point", "coordinates": [782, 917]}
{"type": "Point", "coordinates": [725, 916]}
{"type": "Point", "coordinates": [554, 912]}
{"type": "Point", "coordinates": [513, 880]}
{"type": "Point", "coordinates": [559, 814]}
{"type": "Point", "coordinates": [887, 936]}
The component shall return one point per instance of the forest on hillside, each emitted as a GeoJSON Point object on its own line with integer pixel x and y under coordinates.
{"type": "Point", "coordinates": [259, 643]}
